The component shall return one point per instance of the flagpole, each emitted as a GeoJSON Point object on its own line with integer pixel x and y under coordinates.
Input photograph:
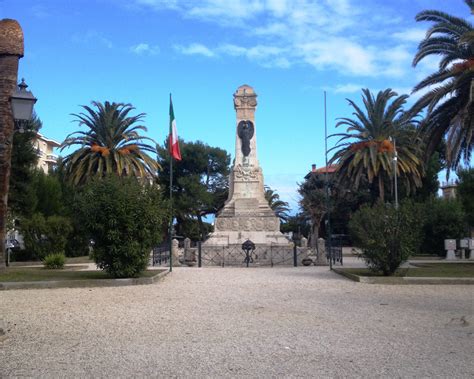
{"type": "Point", "coordinates": [171, 197]}
{"type": "Point", "coordinates": [328, 201]}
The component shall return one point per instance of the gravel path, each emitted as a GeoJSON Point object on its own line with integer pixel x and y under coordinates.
{"type": "Point", "coordinates": [232, 322]}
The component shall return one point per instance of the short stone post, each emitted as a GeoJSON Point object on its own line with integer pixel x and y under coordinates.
{"type": "Point", "coordinates": [189, 254]}
{"type": "Point", "coordinates": [450, 247]}
{"type": "Point", "coordinates": [304, 242]}
{"type": "Point", "coordinates": [470, 246]}
{"type": "Point", "coordinates": [321, 252]}
{"type": "Point", "coordinates": [174, 252]}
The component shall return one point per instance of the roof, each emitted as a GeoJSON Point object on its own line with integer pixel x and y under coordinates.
{"type": "Point", "coordinates": [322, 170]}
{"type": "Point", "coordinates": [47, 140]}
{"type": "Point", "coordinates": [329, 169]}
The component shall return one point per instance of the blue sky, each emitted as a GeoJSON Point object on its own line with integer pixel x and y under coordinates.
{"type": "Point", "coordinates": [138, 51]}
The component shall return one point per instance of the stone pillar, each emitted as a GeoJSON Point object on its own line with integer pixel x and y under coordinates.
{"type": "Point", "coordinates": [189, 253]}
{"type": "Point", "coordinates": [304, 242]}
{"type": "Point", "coordinates": [175, 253]}
{"type": "Point", "coordinates": [11, 50]}
{"type": "Point", "coordinates": [321, 252]}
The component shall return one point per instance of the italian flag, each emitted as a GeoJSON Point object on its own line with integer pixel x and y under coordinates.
{"type": "Point", "coordinates": [173, 138]}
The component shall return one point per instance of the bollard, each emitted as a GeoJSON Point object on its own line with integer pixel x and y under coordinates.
{"type": "Point", "coordinates": [450, 247]}
{"type": "Point", "coordinates": [470, 246]}
{"type": "Point", "coordinates": [199, 254]}
{"type": "Point", "coordinates": [295, 255]}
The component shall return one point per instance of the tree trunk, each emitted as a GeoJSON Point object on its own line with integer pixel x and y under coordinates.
{"type": "Point", "coordinates": [11, 49]}
{"type": "Point", "coordinates": [381, 189]}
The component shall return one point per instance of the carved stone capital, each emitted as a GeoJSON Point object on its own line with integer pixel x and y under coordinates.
{"type": "Point", "coordinates": [245, 97]}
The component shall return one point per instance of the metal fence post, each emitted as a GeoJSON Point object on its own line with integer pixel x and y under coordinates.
{"type": "Point", "coordinates": [295, 257]}
{"type": "Point", "coordinates": [199, 254]}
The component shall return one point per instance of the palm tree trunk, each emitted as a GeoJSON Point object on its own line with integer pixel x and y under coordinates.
{"type": "Point", "coordinates": [11, 49]}
{"type": "Point", "coordinates": [381, 189]}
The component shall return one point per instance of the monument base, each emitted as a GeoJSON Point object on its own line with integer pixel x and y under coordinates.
{"type": "Point", "coordinates": [263, 255]}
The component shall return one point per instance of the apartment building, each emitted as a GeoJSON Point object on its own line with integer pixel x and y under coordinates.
{"type": "Point", "coordinates": [47, 159]}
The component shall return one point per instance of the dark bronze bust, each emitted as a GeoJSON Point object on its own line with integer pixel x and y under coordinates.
{"type": "Point", "coordinates": [245, 131]}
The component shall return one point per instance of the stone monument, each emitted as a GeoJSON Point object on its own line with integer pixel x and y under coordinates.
{"type": "Point", "coordinates": [246, 213]}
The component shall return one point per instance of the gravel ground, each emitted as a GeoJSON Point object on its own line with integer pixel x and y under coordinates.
{"type": "Point", "coordinates": [232, 322]}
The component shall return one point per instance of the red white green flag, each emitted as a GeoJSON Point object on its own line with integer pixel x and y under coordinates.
{"type": "Point", "coordinates": [173, 138]}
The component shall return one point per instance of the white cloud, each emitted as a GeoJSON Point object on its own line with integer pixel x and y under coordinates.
{"type": "Point", "coordinates": [195, 49]}
{"type": "Point", "coordinates": [144, 48]}
{"type": "Point", "coordinates": [347, 88]}
{"type": "Point", "coordinates": [341, 35]}
{"type": "Point", "coordinates": [410, 35]}
{"type": "Point", "coordinates": [339, 54]}
{"type": "Point", "coordinates": [236, 9]}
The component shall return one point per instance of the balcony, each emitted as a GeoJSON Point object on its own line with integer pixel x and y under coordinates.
{"type": "Point", "coordinates": [51, 158]}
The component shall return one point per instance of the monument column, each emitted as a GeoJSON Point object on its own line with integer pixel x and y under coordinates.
{"type": "Point", "coordinates": [246, 213]}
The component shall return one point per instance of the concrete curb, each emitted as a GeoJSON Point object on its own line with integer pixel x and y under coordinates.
{"type": "Point", "coordinates": [402, 280]}
{"type": "Point", "coordinates": [4, 286]}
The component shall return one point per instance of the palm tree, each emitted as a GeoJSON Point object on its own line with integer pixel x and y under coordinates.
{"type": "Point", "coordinates": [11, 50]}
{"type": "Point", "coordinates": [450, 98]}
{"type": "Point", "coordinates": [278, 206]}
{"type": "Point", "coordinates": [370, 153]}
{"type": "Point", "coordinates": [111, 145]}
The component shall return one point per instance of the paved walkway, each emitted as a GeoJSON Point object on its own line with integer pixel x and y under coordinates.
{"type": "Point", "coordinates": [232, 322]}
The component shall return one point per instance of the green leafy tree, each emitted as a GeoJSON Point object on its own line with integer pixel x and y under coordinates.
{"type": "Point", "coordinates": [450, 98]}
{"type": "Point", "coordinates": [366, 151]}
{"type": "Point", "coordinates": [125, 219]}
{"type": "Point", "coordinates": [386, 236]}
{"type": "Point", "coordinates": [200, 182]}
{"type": "Point", "coordinates": [21, 197]}
{"type": "Point", "coordinates": [278, 206]}
{"type": "Point", "coordinates": [313, 203]}
{"type": "Point", "coordinates": [45, 235]}
{"type": "Point", "coordinates": [49, 194]}
{"type": "Point", "coordinates": [112, 144]}
{"type": "Point", "coordinates": [442, 219]}
{"type": "Point", "coordinates": [343, 203]}
{"type": "Point", "coordinates": [465, 193]}
{"type": "Point", "coordinates": [298, 225]}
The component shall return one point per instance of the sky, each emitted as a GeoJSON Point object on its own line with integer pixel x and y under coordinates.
{"type": "Point", "coordinates": [201, 51]}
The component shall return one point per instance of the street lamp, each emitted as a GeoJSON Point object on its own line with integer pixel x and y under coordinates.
{"type": "Point", "coordinates": [395, 167]}
{"type": "Point", "coordinates": [22, 102]}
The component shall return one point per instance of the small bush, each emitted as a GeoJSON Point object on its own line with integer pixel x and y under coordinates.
{"type": "Point", "coordinates": [125, 220]}
{"type": "Point", "coordinates": [386, 236]}
{"type": "Point", "coordinates": [54, 261]}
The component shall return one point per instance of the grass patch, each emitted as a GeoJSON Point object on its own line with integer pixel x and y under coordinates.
{"type": "Point", "coordinates": [425, 258]}
{"type": "Point", "coordinates": [83, 259]}
{"type": "Point", "coordinates": [37, 274]}
{"type": "Point", "coordinates": [424, 270]}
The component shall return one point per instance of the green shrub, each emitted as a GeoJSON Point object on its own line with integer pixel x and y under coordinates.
{"type": "Point", "coordinates": [125, 219]}
{"type": "Point", "coordinates": [442, 219]}
{"type": "Point", "coordinates": [54, 261]}
{"type": "Point", "coordinates": [43, 236]}
{"type": "Point", "coordinates": [386, 236]}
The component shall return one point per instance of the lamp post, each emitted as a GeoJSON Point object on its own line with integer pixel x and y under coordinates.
{"type": "Point", "coordinates": [22, 102]}
{"type": "Point", "coordinates": [11, 50]}
{"type": "Point", "coordinates": [395, 168]}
